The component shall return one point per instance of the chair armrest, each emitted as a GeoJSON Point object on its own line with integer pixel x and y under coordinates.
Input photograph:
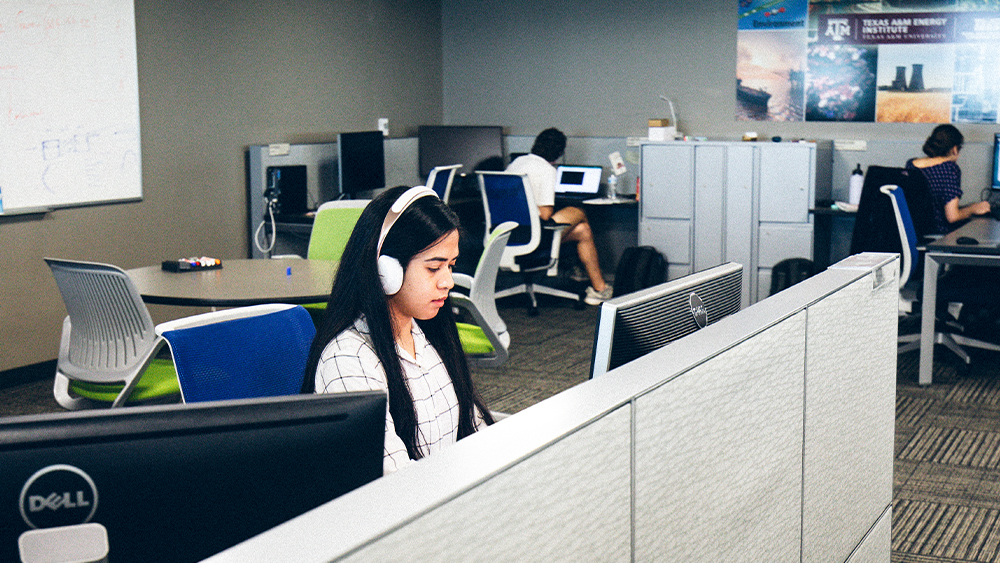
{"type": "Point", "coordinates": [462, 280]}
{"type": "Point", "coordinates": [463, 302]}
{"type": "Point", "coordinates": [553, 226]}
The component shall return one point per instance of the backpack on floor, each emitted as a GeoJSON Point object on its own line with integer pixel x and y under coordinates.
{"type": "Point", "coordinates": [638, 268]}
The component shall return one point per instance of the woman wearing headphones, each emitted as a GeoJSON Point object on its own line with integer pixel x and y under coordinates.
{"type": "Point", "coordinates": [389, 326]}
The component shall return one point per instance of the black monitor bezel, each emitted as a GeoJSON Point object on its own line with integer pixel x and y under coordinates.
{"type": "Point", "coordinates": [360, 162]}
{"type": "Point", "coordinates": [460, 138]}
{"type": "Point", "coordinates": [32, 443]}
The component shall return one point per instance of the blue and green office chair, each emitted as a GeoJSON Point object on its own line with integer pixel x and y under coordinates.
{"type": "Point", "coordinates": [243, 353]}
{"type": "Point", "coordinates": [486, 340]}
{"type": "Point", "coordinates": [109, 346]}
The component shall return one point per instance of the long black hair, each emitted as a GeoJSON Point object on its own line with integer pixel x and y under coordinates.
{"type": "Point", "coordinates": [357, 291]}
{"type": "Point", "coordinates": [942, 139]}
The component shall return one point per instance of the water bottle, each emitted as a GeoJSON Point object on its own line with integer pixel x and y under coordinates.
{"type": "Point", "coordinates": [857, 182]}
{"type": "Point", "coordinates": [612, 186]}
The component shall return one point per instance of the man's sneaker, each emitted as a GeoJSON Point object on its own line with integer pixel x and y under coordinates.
{"type": "Point", "coordinates": [577, 274]}
{"type": "Point", "coordinates": [595, 297]}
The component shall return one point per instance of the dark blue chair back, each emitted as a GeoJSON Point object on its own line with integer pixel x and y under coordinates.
{"type": "Point", "coordinates": [256, 356]}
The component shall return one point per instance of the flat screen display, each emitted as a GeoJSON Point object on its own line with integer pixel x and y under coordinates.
{"type": "Point", "coordinates": [996, 161]}
{"type": "Point", "coordinates": [578, 180]}
{"type": "Point", "coordinates": [633, 325]}
{"type": "Point", "coordinates": [179, 483]}
{"type": "Point", "coordinates": [475, 147]}
{"type": "Point", "coordinates": [361, 162]}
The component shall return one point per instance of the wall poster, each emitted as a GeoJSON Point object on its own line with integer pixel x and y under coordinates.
{"type": "Point", "coordinates": [917, 61]}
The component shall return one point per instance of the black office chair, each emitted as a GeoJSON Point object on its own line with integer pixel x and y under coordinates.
{"type": "Point", "coordinates": [875, 223]}
{"type": "Point", "coordinates": [789, 272]}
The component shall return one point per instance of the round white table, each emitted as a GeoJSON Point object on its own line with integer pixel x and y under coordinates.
{"type": "Point", "coordinates": [240, 282]}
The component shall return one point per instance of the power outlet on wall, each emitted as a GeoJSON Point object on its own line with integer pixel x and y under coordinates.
{"type": "Point", "coordinates": [383, 126]}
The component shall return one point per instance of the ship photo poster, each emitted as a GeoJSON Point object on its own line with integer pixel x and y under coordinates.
{"type": "Point", "coordinates": [770, 65]}
{"type": "Point", "coordinates": [917, 61]}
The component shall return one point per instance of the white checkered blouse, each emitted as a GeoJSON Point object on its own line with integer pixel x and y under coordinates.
{"type": "Point", "coordinates": [349, 363]}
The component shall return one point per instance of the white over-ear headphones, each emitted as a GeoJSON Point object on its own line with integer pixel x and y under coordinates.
{"type": "Point", "coordinates": [390, 271]}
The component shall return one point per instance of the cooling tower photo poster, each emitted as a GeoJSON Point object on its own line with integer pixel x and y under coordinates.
{"type": "Point", "coordinates": [917, 61]}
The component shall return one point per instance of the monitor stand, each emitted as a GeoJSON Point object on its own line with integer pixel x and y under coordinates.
{"type": "Point", "coordinates": [84, 543]}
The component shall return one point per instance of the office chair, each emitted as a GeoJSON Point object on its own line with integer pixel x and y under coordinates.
{"type": "Point", "coordinates": [248, 352]}
{"type": "Point", "coordinates": [874, 223]}
{"type": "Point", "coordinates": [789, 272]}
{"type": "Point", "coordinates": [486, 341]}
{"type": "Point", "coordinates": [440, 180]}
{"type": "Point", "coordinates": [533, 248]}
{"type": "Point", "coordinates": [909, 292]}
{"type": "Point", "coordinates": [108, 349]}
{"type": "Point", "coordinates": [332, 227]}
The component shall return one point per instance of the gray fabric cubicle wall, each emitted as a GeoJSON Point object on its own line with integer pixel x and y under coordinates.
{"type": "Point", "coordinates": [767, 436]}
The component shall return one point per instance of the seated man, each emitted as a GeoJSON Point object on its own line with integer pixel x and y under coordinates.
{"type": "Point", "coordinates": [539, 167]}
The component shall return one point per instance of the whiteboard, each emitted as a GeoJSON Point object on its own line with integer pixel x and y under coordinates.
{"type": "Point", "coordinates": [69, 104]}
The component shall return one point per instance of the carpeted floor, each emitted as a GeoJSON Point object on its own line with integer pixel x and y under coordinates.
{"type": "Point", "coordinates": [947, 468]}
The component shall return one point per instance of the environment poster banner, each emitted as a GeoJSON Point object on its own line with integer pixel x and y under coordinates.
{"type": "Point", "coordinates": [918, 61]}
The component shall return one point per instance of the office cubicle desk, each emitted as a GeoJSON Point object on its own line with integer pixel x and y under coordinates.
{"type": "Point", "coordinates": [238, 283]}
{"type": "Point", "coordinates": [615, 224]}
{"type": "Point", "coordinates": [946, 250]}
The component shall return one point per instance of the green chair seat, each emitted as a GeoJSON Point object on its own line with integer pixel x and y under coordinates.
{"type": "Point", "coordinates": [158, 381]}
{"type": "Point", "coordinates": [474, 340]}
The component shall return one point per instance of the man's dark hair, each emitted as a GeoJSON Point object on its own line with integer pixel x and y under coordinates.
{"type": "Point", "coordinates": [549, 144]}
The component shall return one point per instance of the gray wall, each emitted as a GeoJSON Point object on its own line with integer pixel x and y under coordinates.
{"type": "Point", "coordinates": [593, 67]}
{"type": "Point", "coordinates": [215, 77]}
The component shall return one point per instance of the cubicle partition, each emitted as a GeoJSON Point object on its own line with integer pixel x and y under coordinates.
{"type": "Point", "coordinates": [767, 436]}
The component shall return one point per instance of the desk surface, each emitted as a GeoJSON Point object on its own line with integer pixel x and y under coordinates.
{"type": "Point", "coordinates": [238, 283]}
{"type": "Point", "coordinates": [986, 230]}
{"type": "Point", "coordinates": [946, 250]}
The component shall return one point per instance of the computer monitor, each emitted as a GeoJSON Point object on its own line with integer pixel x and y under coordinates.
{"type": "Point", "coordinates": [996, 161]}
{"type": "Point", "coordinates": [475, 147]}
{"type": "Point", "coordinates": [361, 162]}
{"type": "Point", "coordinates": [179, 483]}
{"type": "Point", "coordinates": [578, 181]}
{"type": "Point", "coordinates": [633, 325]}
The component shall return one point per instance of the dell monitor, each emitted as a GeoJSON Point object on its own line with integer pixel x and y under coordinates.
{"type": "Point", "coordinates": [633, 325]}
{"type": "Point", "coordinates": [179, 483]}
{"type": "Point", "coordinates": [474, 147]}
{"type": "Point", "coordinates": [361, 162]}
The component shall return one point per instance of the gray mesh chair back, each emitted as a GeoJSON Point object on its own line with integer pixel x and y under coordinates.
{"type": "Point", "coordinates": [108, 335]}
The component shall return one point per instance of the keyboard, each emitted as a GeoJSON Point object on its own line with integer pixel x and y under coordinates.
{"type": "Point", "coordinates": [994, 200]}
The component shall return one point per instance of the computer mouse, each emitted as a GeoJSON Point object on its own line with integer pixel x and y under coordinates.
{"type": "Point", "coordinates": [966, 240]}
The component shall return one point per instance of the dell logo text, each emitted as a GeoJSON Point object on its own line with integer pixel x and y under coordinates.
{"type": "Point", "coordinates": [55, 501]}
{"type": "Point", "coordinates": [58, 495]}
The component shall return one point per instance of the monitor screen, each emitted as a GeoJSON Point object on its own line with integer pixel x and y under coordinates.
{"type": "Point", "coordinates": [474, 147]}
{"type": "Point", "coordinates": [578, 180]}
{"type": "Point", "coordinates": [361, 162]}
{"type": "Point", "coordinates": [633, 325]}
{"type": "Point", "coordinates": [182, 482]}
{"type": "Point", "coordinates": [996, 161]}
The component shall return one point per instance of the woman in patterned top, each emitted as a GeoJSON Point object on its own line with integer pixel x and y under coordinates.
{"type": "Point", "coordinates": [400, 338]}
{"type": "Point", "coordinates": [945, 178]}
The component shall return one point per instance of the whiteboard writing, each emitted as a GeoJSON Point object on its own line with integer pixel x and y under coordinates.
{"type": "Point", "coordinates": [69, 103]}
